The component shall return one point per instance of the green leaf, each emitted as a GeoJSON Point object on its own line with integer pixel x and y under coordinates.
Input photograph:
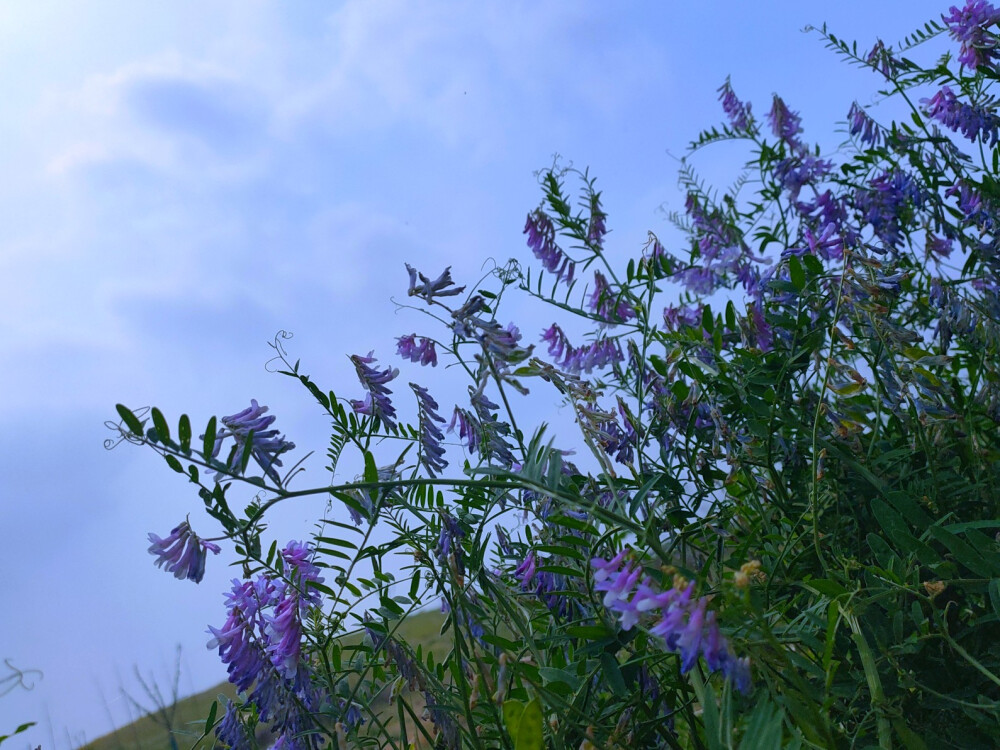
{"type": "Point", "coordinates": [371, 470]}
{"type": "Point", "coordinates": [529, 728]}
{"type": "Point", "coordinates": [613, 674]}
{"type": "Point", "coordinates": [131, 420]}
{"type": "Point", "coordinates": [173, 463]}
{"type": "Point", "coordinates": [208, 440]}
{"type": "Point", "coordinates": [763, 728]}
{"type": "Point", "coordinates": [210, 721]}
{"type": "Point", "coordinates": [184, 433]}
{"type": "Point", "coordinates": [160, 425]}
{"type": "Point", "coordinates": [796, 273]}
{"type": "Point", "coordinates": [512, 712]}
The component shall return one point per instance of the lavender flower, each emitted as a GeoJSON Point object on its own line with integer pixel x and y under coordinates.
{"type": "Point", "coordinates": [784, 123]}
{"type": "Point", "coordinates": [597, 228]}
{"type": "Point", "coordinates": [266, 445]}
{"type": "Point", "coordinates": [450, 541]}
{"type": "Point", "coordinates": [231, 731]}
{"type": "Point", "coordinates": [424, 352]}
{"type": "Point", "coordinates": [542, 241]}
{"type": "Point", "coordinates": [606, 304]}
{"type": "Point", "coordinates": [738, 112]}
{"type": "Point", "coordinates": [600, 354]}
{"type": "Point", "coordinates": [796, 172]}
{"type": "Point", "coordinates": [182, 553]}
{"type": "Point", "coordinates": [887, 201]}
{"type": "Point", "coordinates": [971, 121]}
{"type": "Point", "coordinates": [236, 640]}
{"type": "Point", "coordinates": [968, 26]}
{"type": "Point", "coordinates": [526, 570]}
{"type": "Point", "coordinates": [863, 126]}
{"type": "Point", "coordinates": [684, 621]}
{"type": "Point", "coordinates": [427, 289]}
{"type": "Point", "coordinates": [376, 402]}
{"type": "Point", "coordinates": [431, 450]}
{"type": "Point", "coordinates": [674, 317]}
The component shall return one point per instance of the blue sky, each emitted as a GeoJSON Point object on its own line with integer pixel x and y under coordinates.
{"type": "Point", "coordinates": [184, 179]}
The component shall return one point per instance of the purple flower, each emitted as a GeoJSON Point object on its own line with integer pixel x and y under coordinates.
{"type": "Point", "coordinates": [597, 228]}
{"type": "Point", "coordinates": [784, 123]}
{"type": "Point", "coordinates": [376, 402]}
{"type": "Point", "coordinates": [266, 445]}
{"type": "Point", "coordinates": [182, 553]}
{"type": "Point", "coordinates": [738, 112]}
{"type": "Point", "coordinates": [231, 731]}
{"type": "Point", "coordinates": [887, 201]}
{"type": "Point", "coordinates": [427, 289]}
{"type": "Point", "coordinates": [971, 121]}
{"type": "Point", "coordinates": [968, 26]}
{"type": "Point", "coordinates": [606, 304]}
{"type": "Point", "coordinates": [600, 354]}
{"type": "Point", "coordinates": [882, 59]}
{"type": "Point", "coordinates": [526, 570]}
{"type": "Point", "coordinates": [424, 352]}
{"type": "Point", "coordinates": [542, 241]}
{"type": "Point", "coordinates": [449, 541]}
{"type": "Point", "coordinates": [863, 126]}
{"type": "Point", "coordinates": [431, 450]}
{"type": "Point", "coordinates": [675, 317]}
{"type": "Point", "coordinates": [236, 639]}
{"type": "Point", "coordinates": [795, 172]}
{"type": "Point", "coordinates": [283, 629]}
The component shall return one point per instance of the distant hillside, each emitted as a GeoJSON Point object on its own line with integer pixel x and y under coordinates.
{"type": "Point", "coordinates": [145, 734]}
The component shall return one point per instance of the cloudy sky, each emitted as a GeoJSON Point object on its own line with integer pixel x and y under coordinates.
{"type": "Point", "coordinates": [181, 180]}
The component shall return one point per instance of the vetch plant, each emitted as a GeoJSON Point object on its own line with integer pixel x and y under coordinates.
{"type": "Point", "coordinates": [779, 526]}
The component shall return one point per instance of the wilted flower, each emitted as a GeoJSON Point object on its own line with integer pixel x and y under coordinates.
{"type": "Point", "coordinates": [266, 445]}
{"type": "Point", "coordinates": [182, 553]}
{"type": "Point", "coordinates": [597, 228]}
{"type": "Point", "coordinates": [427, 289]}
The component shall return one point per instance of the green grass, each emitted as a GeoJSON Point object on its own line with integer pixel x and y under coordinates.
{"type": "Point", "coordinates": [191, 712]}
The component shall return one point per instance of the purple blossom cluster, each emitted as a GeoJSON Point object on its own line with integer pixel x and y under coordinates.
{"type": "Point", "coordinates": [863, 126]}
{"type": "Point", "coordinates": [975, 123]}
{"type": "Point", "coordinates": [737, 111]}
{"type": "Point", "coordinates": [969, 25]}
{"type": "Point", "coordinates": [422, 352]}
{"type": "Point", "coordinates": [431, 437]}
{"type": "Point", "coordinates": [603, 352]}
{"type": "Point", "coordinates": [542, 241]}
{"type": "Point", "coordinates": [550, 587]}
{"type": "Point", "coordinates": [785, 124]}
{"type": "Point", "coordinates": [376, 402]}
{"type": "Point", "coordinates": [482, 431]}
{"type": "Point", "coordinates": [607, 304]}
{"type": "Point", "coordinates": [261, 644]}
{"type": "Point", "coordinates": [886, 203]}
{"type": "Point", "coordinates": [680, 618]}
{"type": "Point", "coordinates": [266, 445]}
{"type": "Point", "coordinates": [597, 227]}
{"type": "Point", "coordinates": [795, 172]}
{"type": "Point", "coordinates": [182, 552]}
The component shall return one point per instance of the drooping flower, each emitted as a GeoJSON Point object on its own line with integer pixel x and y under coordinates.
{"type": "Point", "coordinates": [424, 352]}
{"type": "Point", "coordinates": [427, 289]}
{"type": "Point", "coordinates": [266, 445]}
{"type": "Point", "coordinates": [231, 731]}
{"type": "Point", "coordinates": [376, 402]}
{"type": "Point", "coordinates": [182, 552]}
{"type": "Point", "coordinates": [542, 241]}
{"type": "Point", "coordinates": [237, 639]}
{"type": "Point", "coordinates": [431, 449]}
{"type": "Point", "coordinates": [737, 111]}
{"type": "Point", "coordinates": [863, 126]}
{"type": "Point", "coordinates": [607, 304]}
{"type": "Point", "coordinates": [971, 121]}
{"type": "Point", "coordinates": [785, 123]}
{"type": "Point", "coordinates": [969, 26]}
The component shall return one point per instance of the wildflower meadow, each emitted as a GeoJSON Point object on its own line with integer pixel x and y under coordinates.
{"type": "Point", "coordinates": [774, 522]}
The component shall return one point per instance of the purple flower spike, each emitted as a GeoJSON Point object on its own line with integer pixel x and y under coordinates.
{"type": "Point", "coordinates": [738, 112]}
{"type": "Point", "coordinates": [972, 122]}
{"type": "Point", "coordinates": [266, 446]}
{"type": "Point", "coordinates": [784, 123]}
{"type": "Point", "coordinates": [182, 553]}
{"type": "Point", "coordinates": [542, 241]}
{"type": "Point", "coordinates": [376, 402]}
{"type": "Point", "coordinates": [431, 449]}
{"type": "Point", "coordinates": [598, 227]}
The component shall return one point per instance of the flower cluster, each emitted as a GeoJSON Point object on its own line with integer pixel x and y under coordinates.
{"type": "Point", "coordinates": [542, 241]}
{"type": "Point", "coordinates": [863, 126]}
{"type": "Point", "coordinates": [424, 352]}
{"type": "Point", "coordinates": [182, 552]}
{"type": "Point", "coordinates": [737, 111]}
{"type": "Point", "coordinates": [607, 304]}
{"type": "Point", "coordinates": [969, 26]}
{"type": "Point", "coordinates": [971, 121]}
{"type": "Point", "coordinates": [261, 644]}
{"type": "Point", "coordinates": [376, 402]}
{"type": "Point", "coordinates": [681, 619]}
{"type": "Point", "coordinates": [265, 445]}
{"type": "Point", "coordinates": [431, 450]}
{"type": "Point", "coordinates": [427, 289]}
{"type": "Point", "coordinates": [600, 354]}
